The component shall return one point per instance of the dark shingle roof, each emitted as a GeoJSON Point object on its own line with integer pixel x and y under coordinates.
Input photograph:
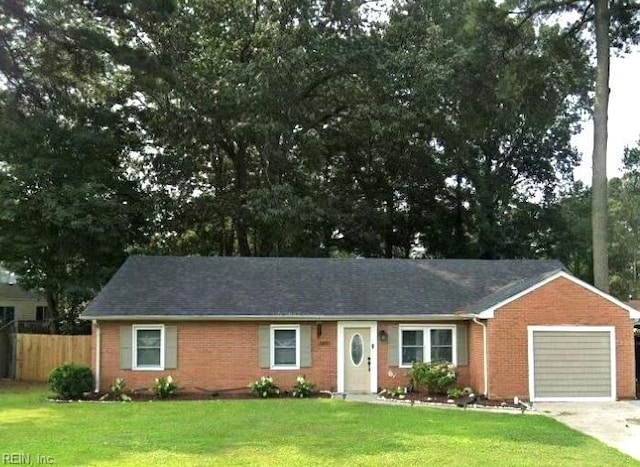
{"type": "Point", "coordinates": [232, 286]}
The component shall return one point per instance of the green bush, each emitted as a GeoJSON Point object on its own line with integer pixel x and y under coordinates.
{"type": "Point", "coordinates": [302, 388]}
{"type": "Point", "coordinates": [164, 387]}
{"type": "Point", "coordinates": [436, 378]}
{"type": "Point", "coordinates": [265, 387]}
{"type": "Point", "coordinates": [456, 393]}
{"type": "Point", "coordinates": [71, 381]}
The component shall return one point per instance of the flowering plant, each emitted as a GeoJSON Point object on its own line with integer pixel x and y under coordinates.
{"type": "Point", "coordinates": [164, 387]}
{"type": "Point", "coordinates": [303, 387]}
{"type": "Point", "coordinates": [265, 387]}
{"type": "Point", "coordinates": [435, 377]}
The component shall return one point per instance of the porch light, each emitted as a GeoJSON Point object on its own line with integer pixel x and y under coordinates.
{"type": "Point", "coordinates": [383, 335]}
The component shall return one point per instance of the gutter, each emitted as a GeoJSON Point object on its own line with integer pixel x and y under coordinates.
{"type": "Point", "coordinates": [485, 355]}
{"type": "Point", "coordinates": [98, 351]}
{"type": "Point", "coordinates": [314, 318]}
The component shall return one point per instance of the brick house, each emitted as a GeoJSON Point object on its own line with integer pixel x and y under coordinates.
{"type": "Point", "coordinates": [512, 327]}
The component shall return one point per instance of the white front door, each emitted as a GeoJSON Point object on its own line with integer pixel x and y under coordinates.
{"type": "Point", "coordinates": [357, 360]}
{"type": "Point", "coordinates": [357, 357]}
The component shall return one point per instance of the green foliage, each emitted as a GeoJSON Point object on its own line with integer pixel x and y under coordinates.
{"type": "Point", "coordinates": [435, 378]}
{"type": "Point", "coordinates": [457, 393]}
{"type": "Point", "coordinates": [117, 391]}
{"type": "Point", "coordinates": [210, 128]}
{"type": "Point", "coordinates": [265, 387]}
{"type": "Point", "coordinates": [303, 387]}
{"type": "Point", "coordinates": [164, 387]}
{"type": "Point", "coordinates": [68, 210]}
{"type": "Point", "coordinates": [71, 381]}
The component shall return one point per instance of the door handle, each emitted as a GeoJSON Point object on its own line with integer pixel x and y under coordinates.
{"type": "Point", "coordinates": [369, 363]}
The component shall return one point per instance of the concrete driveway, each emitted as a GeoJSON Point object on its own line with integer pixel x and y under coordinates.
{"type": "Point", "coordinates": [614, 423]}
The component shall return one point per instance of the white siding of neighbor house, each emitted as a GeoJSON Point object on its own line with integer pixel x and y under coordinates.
{"type": "Point", "coordinates": [25, 310]}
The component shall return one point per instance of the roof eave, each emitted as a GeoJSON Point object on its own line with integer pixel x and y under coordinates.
{"type": "Point", "coordinates": [380, 317]}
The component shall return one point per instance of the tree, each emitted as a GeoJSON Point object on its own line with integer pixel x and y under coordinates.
{"type": "Point", "coordinates": [600, 118]}
{"type": "Point", "coordinates": [624, 228]}
{"type": "Point", "coordinates": [500, 144]}
{"type": "Point", "coordinates": [613, 23]}
{"type": "Point", "coordinates": [68, 211]}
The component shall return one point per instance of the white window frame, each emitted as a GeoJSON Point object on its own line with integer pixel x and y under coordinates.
{"type": "Point", "coordinates": [272, 345]}
{"type": "Point", "coordinates": [426, 341]}
{"type": "Point", "coordinates": [134, 346]}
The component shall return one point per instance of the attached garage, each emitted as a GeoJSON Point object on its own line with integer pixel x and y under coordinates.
{"type": "Point", "coordinates": [572, 363]}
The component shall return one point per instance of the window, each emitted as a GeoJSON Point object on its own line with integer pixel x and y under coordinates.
{"type": "Point", "coordinates": [285, 347]}
{"type": "Point", "coordinates": [7, 314]}
{"type": "Point", "coordinates": [148, 347]}
{"type": "Point", "coordinates": [42, 313]}
{"type": "Point", "coordinates": [426, 344]}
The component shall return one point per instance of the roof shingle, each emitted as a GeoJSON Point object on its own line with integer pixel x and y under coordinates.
{"type": "Point", "coordinates": [310, 287]}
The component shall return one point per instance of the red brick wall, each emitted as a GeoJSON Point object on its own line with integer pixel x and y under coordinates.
{"type": "Point", "coordinates": [219, 355]}
{"type": "Point", "coordinates": [476, 358]}
{"type": "Point", "coordinates": [560, 302]}
{"type": "Point", "coordinates": [223, 355]}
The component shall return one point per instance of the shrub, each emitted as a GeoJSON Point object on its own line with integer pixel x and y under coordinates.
{"type": "Point", "coordinates": [71, 381]}
{"type": "Point", "coordinates": [435, 377]}
{"type": "Point", "coordinates": [116, 391]}
{"type": "Point", "coordinates": [164, 387]}
{"type": "Point", "coordinates": [456, 393]}
{"type": "Point", "coordinates": [302, 388]}
{"type": "Point", "coordinates": [265, 387]}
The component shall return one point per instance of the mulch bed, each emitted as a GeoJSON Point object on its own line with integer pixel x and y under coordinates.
{"type": "Point", "coordinates": [144, 395]}
{"type": "Point", "coordinates": [464, 402]}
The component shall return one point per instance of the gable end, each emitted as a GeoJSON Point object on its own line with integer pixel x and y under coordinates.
{"type": "Point", "coordinates": [490, 312]}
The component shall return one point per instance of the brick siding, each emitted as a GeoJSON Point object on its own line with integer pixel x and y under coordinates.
{"type": "Point", "coordinates": [560, 302]}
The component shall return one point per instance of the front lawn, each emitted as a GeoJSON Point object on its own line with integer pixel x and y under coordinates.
{"type": "Point", "coordinates": [284, 432]}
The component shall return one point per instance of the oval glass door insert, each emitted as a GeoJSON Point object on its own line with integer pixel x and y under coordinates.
{"type": "Point", "coordinates": [356, 349]}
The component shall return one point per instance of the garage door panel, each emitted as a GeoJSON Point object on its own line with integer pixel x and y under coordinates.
{"type": "Point", "coordinates": [570, 364]}
{"type": "Point", "coordinates": [572, 355]}
{"type": "Point", "coordinates": [567, 393]}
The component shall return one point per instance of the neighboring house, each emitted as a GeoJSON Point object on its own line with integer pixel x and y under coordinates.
{"type": "Point", "coordinates": [512, 327]}
{"type": "Point", "coordinates": [19, 304]}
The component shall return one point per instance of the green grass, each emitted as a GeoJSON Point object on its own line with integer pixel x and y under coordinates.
{"type": "Point", "coordinates": [284, 432]}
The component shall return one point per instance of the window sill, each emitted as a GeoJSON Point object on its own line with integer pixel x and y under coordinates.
{"type": "Point", "coordinates": [148, 368]}
{"type": "Point", "coordinates": [280, 368]}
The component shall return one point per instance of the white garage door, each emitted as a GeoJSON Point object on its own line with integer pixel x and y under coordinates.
{"type": "Point", "coordinates": [571, 363]}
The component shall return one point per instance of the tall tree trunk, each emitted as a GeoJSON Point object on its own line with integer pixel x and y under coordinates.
{"type": "Point", "coordinates": [599, 180]}
{"type": "Point", "coordinates": [390, 235]}
{"type": "Point", "coordinates": [242, 232]}
{"type": "Point", "coordinates": [458, 227]}
{"type": "Point", "coordinates": [52, 304]}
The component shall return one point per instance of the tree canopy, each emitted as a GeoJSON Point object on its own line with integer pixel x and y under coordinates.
{"type": "Point", "coordinates": [282, 128]}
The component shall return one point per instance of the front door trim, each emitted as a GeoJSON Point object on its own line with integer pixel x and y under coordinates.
{"type": "Point", "coordinates": [373, 338]}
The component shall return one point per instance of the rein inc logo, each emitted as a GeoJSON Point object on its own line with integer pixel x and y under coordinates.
{"type": "Point", "coordinates": [21, 458]}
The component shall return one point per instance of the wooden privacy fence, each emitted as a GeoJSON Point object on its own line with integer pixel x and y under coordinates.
{"type": "Point", "coordinates": [38, 354]}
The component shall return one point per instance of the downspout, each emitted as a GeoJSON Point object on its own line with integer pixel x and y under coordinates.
{"type": "Point", "coordinates": [485, 354]}
{"type": "Point", "coordinates": [97, 362]}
